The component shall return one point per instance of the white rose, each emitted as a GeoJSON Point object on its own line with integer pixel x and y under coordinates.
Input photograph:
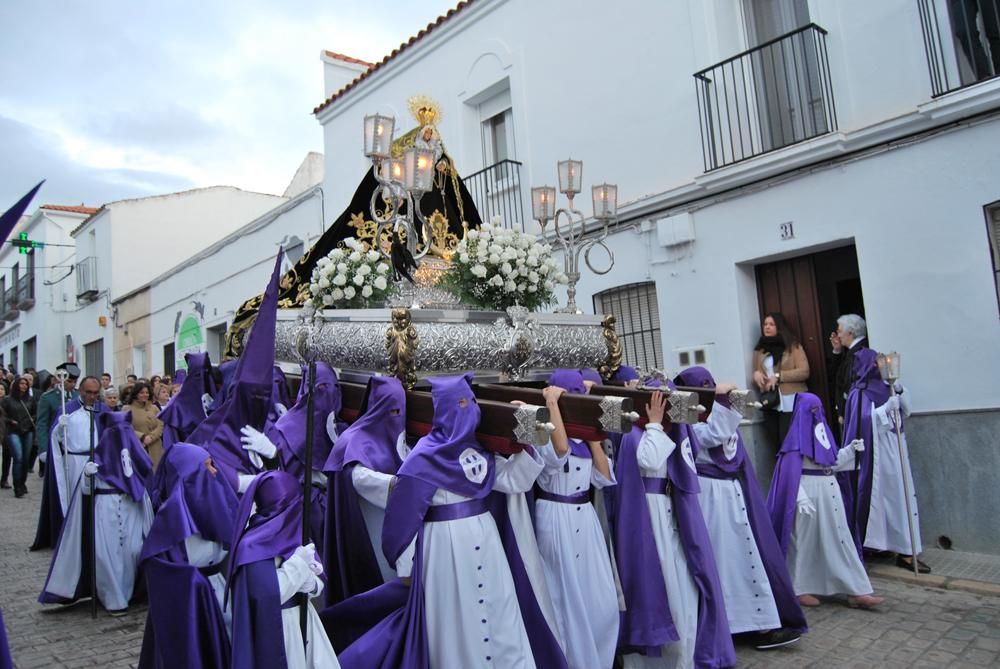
{"type": "Point", "coordinates": [323, 262]}
{"type": "Point", "coordinates": [338, 294]}
{"type": "Point", "coordinates": [339, 280]}
{"type": "Point", "coordinates": [365, 270]}
{"type": "Point", "coordinates": [366, 291]}
{"type": "Point", "coordinates": [495, 220]}
{"type": "Point", "coordinates": [509, 286]}
{"type": "Point", "coordinates": [532, 289]}
{"type": "Point", "coordinates": [382, 268]}
{"type": "Point", "coordinates": [342, 267]}
{"type": "Point", "coordinates": [533, 277]}
{"type": "Point", "coordinates": [463, 258]}
{"type": "Point", "coordinates": [314, 288]}
{"type": "Point", "coordinates": [355, 256]}
{"type": "Point", "coordinates": [472, 234]}
{"type": "Point", "coordinates": [359, 279]}
{"type": "Point", "coordinates": [324, 283]}
{"type": "Point", "coordinates": [562, 278]}
{"type": "Point", "coordinates": [380, 282]}
{"type": "Point", "coordinates": [549, 285]}
{"type": "Point", "coordinates": [494, 259]}
{"type": "Point", "coordinates": [372, 255]}
{"type": "Point", "coordinates": [496, 280]}
{"type": "Point", "coordinates": [327, 300]}
{"type": "Point", "coordinates": [328, 270]}
{"type": "Point", "coordinates": [496, 248]}
{"type": "Point", "coordinates": [349, 292]}
{"type": "Point", "coordinates": [337, 254]}
{"type": "Point", "coordinates": [506, 269]}
{"type": "Point", "coordinates": [478, 270]}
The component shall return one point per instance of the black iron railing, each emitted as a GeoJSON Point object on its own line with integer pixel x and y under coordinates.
{"type": "Point", "coordinates": [774, 95]}
{"type": "Point", "coordinates": [25, 292]}
{"type": "Point", "coordinates": [8, 305]}
{"type": "Point", "coordinates": [86, 278]}
{"type": "Point", "coordinates": [496, 190]}
{"type": "Point", "coordinates": [962, 42]}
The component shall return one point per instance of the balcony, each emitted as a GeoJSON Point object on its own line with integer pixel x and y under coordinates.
{"type": "Point", "coordinates": [86, 279]}
{"type": "Point", "coordinates": [496, 190]}
{"type": "Point", "coordinates": [766, 98]}
{"type": "Point", "coordinates": [25, 292]}
{"type": "Point", "coordinates": [962, 42]}
{"type": "Point", "coordinates": [8, 310]}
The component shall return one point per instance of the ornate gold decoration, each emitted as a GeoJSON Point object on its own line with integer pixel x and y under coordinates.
{"type": "Point", "coordinates": [364, 229]}
{"type": "Point", "coordinates": [614, 360]}
{"type": "Point", "coordinates": [443, 242]}
{"type": "Point", "coordinates": [401, 344]}
{"type": "Point", "coordinates": [425, 110]}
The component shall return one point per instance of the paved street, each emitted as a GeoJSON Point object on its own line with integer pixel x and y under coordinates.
{"type": "Point", "coordinates": [917, 627]}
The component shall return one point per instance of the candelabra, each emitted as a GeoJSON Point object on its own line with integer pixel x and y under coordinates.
{"type": "Point", "coordinates": [571, 238]}
{"type": "Point", "coordinates": [402, 183]}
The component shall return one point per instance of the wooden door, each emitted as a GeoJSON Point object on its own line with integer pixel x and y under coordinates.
{"type": "Point", "coordinates": [789, 287]}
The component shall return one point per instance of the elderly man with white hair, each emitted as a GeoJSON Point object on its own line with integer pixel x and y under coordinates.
{"type": "Point", "coordinates": [850, 337]}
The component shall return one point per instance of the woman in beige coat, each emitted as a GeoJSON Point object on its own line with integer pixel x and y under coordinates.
{"type": "Point", "coordinates": [147, 426]}
{"type": "Point", "coordinates": [779, 362]}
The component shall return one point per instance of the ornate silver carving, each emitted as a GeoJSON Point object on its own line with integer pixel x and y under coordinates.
{"type": "Point", "coordinates": [684, 407]}
{"type": "Point", "coordinates": [613, 418]}
{"type": "Point", "coordinates": [741, 402]}
{"type": "Point", "coordinates": [533, 427]}
{"type": "Point", "coordinates": [451, 341]}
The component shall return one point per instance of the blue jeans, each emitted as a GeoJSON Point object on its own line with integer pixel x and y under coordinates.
{"type": "Point", "coordinates": [20, 446]}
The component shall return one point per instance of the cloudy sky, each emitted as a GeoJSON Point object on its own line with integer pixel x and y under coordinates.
{"type": "Point", "coordinates": [111, 99]}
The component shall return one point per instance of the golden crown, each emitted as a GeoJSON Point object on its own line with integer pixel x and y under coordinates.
{"type": "Point", "coordinates": [425, 110]}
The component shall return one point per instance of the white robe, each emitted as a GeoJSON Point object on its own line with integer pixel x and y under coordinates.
{"type": "Point", "coordinates": [682, 595]}
{"type": "Point", "coordinates": [470, 606]}
{"type": "Point", "coordinates": [67, 463]}
{"type": "Point", "coordinates": [746, 590]}
{"type": "Point", "coordinates": [373, 493]}
{"type": "Point", "coordinates": [888, 529]}
{"type": "Point", "coordinates": [320, 654]}
{"type": "Point", "coordinates": [120, 527]}
{"type": "Point", "coordinates": [202, 553]}
{"type": "Point", "coordinates": [577, 562]}
{"type": "Point", "coordinates": [822, 558]}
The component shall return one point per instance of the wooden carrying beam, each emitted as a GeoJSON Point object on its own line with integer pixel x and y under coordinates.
{"type": "Point", "coordinates": [586, 417]}
{"type": "Point", "coordinates": [683, 406]}
{"type": "Point", "coordinates": [503, 427]}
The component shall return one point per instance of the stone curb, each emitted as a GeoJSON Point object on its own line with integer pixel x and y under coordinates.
{"type": "Point", "coordinates": [894, 573]}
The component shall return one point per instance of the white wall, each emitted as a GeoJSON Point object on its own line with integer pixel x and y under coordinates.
{"type": "Point", "coordinates": [230, 272]}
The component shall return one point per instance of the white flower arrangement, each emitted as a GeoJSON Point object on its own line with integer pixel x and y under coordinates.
{"type": "Point", "coordinates": [352, 277]}
{"type": "Point", "coordinates": [495, 268]}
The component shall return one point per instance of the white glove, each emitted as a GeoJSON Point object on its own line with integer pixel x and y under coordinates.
{"type": "Point", "coordinates": [63, 420]}
{"type": "Point", "coordinates": [43, 456]}
{"type": "Point", "coordinates": [257, 442]}
{"type": "Point", "coordinates": [312, 586]}
{"type": "Point", "coordinates": [892, 404]}
{"type": "Point", "coordinates": [306, 553]}
{"type": "Point", "coordinates": [280, 408]}
{"type": "Point", "coordinates": [898, 386]}
{"type": "Point", "coordinates": [244, 481]}
{"type": "Point", "coordinates": [857, 445]}
{"type": "Point", "coordinates": [90, 468]}
{"type": "Point", "coordinates": [805, 506]}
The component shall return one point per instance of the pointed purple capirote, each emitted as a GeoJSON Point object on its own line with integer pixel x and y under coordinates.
{"type": "Point", "coordinates": [789, 610]}
{"type": "Point", "coordinates": [571, 380]}
{"type": "Point", "coordinates": [810, 436]}
{"type": "Point", "coordinates": [124, 463]}
{"type": "Point", "coordinates": [187, 409]}
{"type": "Point", "coordinates": [250, 399]}
{"type": "Point", "coordinates": [349, 551]}
{"type": "Point", "coordinates": [289, 431]}
{"type": "Point", "coordinates": [868, 392]}
{"type": "Point", "coordinates": [646, 621]}
{"type": "Point", "coordinates": [226, 371]}
{"type": "Point", "coordinates": [9, 219]}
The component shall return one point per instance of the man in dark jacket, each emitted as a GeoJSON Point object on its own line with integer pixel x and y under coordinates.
{"type": "Point", "coordinates": [850, 337]}
{"type": "Point", "coordinates": [48, 404]}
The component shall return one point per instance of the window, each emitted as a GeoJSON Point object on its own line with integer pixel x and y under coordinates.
{"type": "Point", "coordinates": [31, 353]}
{"type": "Point", "coordinates": [139, 361]}
{"type": "Point", "coordinates": [216, 342]}
{"type": "Point", "coordinates": [976, 28]}
{"type": "Point", "coordinates": [637, 323]}
{"type": "Point", "coordinates": [93, 358]}
{"type": "Point", "coordinates": [497, 127]}
{"type": "Point", "coordinates": [29, 276]}
{"type": "Point", "coordinates": [993, 229]}
{"type": "Point", "coordinates": [13, 360]}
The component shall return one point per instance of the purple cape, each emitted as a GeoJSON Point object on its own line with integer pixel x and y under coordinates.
{"type": "Point", "coordinates": [250, 398]}
{"type": "Point", "coordinates": [868, 392]}
{"type": "Point", "coordinates": [184, 626]}
{"type": "Point", "coordinates": [50, 516]}
{"type": "Point", "coordinates": [279, 394]}
{"type": "Point", "coordinates": [289, 431]}
{"type": "Point", "coordinates": [258, 642]}
{"type": "Point", "coordinates": [591, 375]}
{"type": "Point", "coordinates": [5, 661]}
{"type": "Point", "coordinates": [186, 410]}
{"type": "Point", "coordinates": [808, 421]}
{"type": "Point", "coordinates": [789, 610]}
{"type": "Point", "coordinates": [634, 535]}
{"type": "Point", "coordinates": [227, 370]}
{"type": "Point", "coordinates": [349, 552]}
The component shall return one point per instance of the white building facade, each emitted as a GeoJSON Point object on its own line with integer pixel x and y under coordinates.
{"type": "Point", "coordinates": [799, 156]}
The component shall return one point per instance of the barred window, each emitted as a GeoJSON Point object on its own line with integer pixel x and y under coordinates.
{"type": "Point", "coordinates": [637, 322]}
{"type": "Point", "coordinates": [993, 228]}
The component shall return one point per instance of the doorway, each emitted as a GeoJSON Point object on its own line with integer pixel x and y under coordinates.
{"type": "Point", "coordinates": [811, 292]}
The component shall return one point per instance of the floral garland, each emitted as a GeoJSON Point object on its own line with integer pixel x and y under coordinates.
{"type": "Point", "coordinates": [352, 277]}
{"type": "Point", "coordinates": [494, 268]}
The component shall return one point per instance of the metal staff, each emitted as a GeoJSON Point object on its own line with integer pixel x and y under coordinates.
{"type": "Point", "coordinates": [62, 375]}
{"type": "Point", "coordinates": [307, 493]}
{"type": "Point", "coordinates": [888, 367]}
{"type": "Point", "coordinates": [93, 522]}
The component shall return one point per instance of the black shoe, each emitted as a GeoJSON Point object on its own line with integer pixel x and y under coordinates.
{"type": "Point", "coordinates": [20, 491]}
{"type": "Point", "coordinates": [118, 613]}
{"type": "Point", "coordinates": [4, 484]}
{"type": "Point", "coordinates": [907, 564]}
{"type": "Point", "coordinates": [775, 639]}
